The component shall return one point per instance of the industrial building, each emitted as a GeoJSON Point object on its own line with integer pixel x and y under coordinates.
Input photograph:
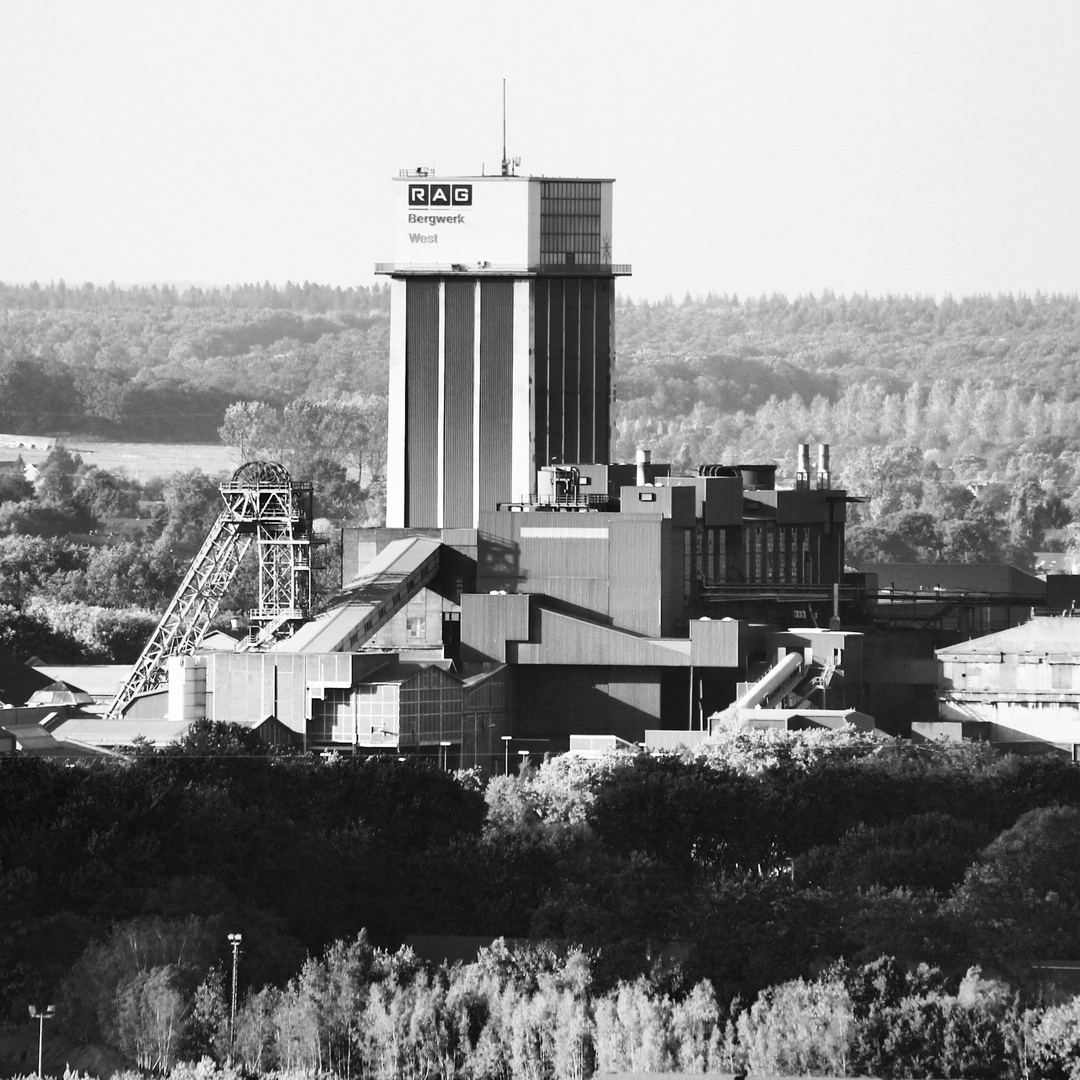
{"type": "Point", "coordinates": [501, 339]}
{"type": "Point", "coordinates": [1018, 688]}
{"type": "Point", "coordinates": [527, 594]}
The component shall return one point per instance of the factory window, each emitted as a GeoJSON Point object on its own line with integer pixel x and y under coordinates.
{"type": "Point", "coordinates": [721, 569]}
{"type": "Point", "coordinates": [416, 627]}
{"type": "Point", "coordinates": [787, 546]}
{"type": "Point", "coordinates": [753, 552]}
{"type": "Point", "coordinates": [570, 223]}
{"type": "Point", "coordinates": [377, 708]}
{"type": "Point", "coordinates": [332, 715]}
{"type": "Point", "coordinates": [689, 560]}
{"type": "Point", "coordinates": [431, 707]}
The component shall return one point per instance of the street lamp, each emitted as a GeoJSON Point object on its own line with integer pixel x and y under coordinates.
{"type": "Point", "coordinates": [444, 750]}
{"type": "Point", "coordinates": [41, 1015]}
{"type": "Point", "coordinates": [506, 753]}
{"type": "Point", "coordinates": [524, 755]}
{"type": "Point", "coordinates": [234, 941]}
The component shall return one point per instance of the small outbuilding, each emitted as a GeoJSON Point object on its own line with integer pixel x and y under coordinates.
{"type": "Point", "coordinates": [1019, 688]}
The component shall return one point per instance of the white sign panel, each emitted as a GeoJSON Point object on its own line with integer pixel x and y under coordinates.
{"type": "Point", "coordinates": [474, 222]}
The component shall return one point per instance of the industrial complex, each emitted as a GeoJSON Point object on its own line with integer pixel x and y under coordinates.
{"type": "Point", "coordinates": [529, 596]}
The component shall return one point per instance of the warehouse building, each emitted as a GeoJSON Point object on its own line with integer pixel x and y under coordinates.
{"type": "Point", "coordinates": [1019, 688]}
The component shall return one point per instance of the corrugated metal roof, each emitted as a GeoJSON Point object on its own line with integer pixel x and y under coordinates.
{"type": "Point", "coordinates": [1044, 634]}
{"type": "Point", "coordinates": [97, 731]}
{"type": "Point", "coordinates": [397, 671]}
{"type": "Point", "coordinates": [30, 736]}
{"type": "Point", "coordinates": [792, 719]}
{"type": "Point", "coordinates": [954, 577]}
{"type": "Point", "coordinates": [36, 741]}
{"type": "Point", "coordinates": [367, 602]}
{"type": "Point", "coordinates": [98, 680]}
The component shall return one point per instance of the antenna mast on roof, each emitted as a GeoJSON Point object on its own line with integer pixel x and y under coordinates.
{"type": "Point", "coordinates": [505, 161]}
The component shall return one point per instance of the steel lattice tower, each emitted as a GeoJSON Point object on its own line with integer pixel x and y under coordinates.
{"type": "Point", "coordinates": [264, 506]}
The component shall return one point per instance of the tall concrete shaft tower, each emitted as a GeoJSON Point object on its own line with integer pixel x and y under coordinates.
{"type": "Point", "coordinates": [501, 342]}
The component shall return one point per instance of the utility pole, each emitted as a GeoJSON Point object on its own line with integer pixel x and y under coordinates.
{"type": "Point", "coordinates": [41, 1015]}
{"type": "Point", "coordinates": [234, 941]}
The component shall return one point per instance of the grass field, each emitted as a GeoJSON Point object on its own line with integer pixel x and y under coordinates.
{"type": "Point", "coordinates": [141, 461]}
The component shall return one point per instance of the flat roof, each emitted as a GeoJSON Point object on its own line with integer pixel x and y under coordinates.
{"type": "Point", "coordinates": [435, 177]}
{"type": "Point", "coordinates": [98, 680]}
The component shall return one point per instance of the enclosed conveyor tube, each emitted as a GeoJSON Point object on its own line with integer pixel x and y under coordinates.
{"type": "Point", "coordinates": [770, 682]}
{"type": "Point", "coordinates": [778, 680]}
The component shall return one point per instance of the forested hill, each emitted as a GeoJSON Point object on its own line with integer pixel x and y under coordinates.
{"type": "Point", "coordinates": [957, 419]}
{"type": "Point", "coordinates": [895, 340]}
{"type": "Point", "coordinates": [942, 408]}
{"type": "Point", "coordinates": [110, 357]}
{"type": "Point", "coordinates": [154, 362]}
{"type": "Point", "coordinates": [720, 356]}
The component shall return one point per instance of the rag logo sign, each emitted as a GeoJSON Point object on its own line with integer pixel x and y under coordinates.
{"type": "Point", "coordinates": [437, 195]}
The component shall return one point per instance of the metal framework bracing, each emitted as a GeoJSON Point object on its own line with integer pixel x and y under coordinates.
{"type": "Point", "coordinates": [264, 506]}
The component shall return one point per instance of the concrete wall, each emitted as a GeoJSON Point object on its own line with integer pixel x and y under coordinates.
{"type": "Point", "coordinates": [253, 686]}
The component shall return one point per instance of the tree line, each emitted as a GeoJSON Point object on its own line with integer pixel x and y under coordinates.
{"type": "Point", "coordinates": [975, 394]}
{"type": "Point", "coordinates": [151, 364]}
{"type": "Point", "coordinates": [89, 558]}
{"type": "Point", "coordinates": [535, 1011]}
{"type": "Point", "coordinates": [772, 870]}
{"type": "Point", "coordinates": [306, 296]}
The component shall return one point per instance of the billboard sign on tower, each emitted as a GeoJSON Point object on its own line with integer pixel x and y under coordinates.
{"type": "Point", "coordinates": [476, 223]}
{"type": "Point", "coordinates": [440, 196]}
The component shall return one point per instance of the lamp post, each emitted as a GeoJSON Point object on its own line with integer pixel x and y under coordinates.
{"type": "Point", "coordinates": [506, 753]}
{"type": "Point", "coordinates": [234, 941]}
{"type": "Point", "coordinates": [524, 755]}
{"type": "Point", "coordinates": [444, 748]}
{"type": "Point", "coordinates": [41, 1015]}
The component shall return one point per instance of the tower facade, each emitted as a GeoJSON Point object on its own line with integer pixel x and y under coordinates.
{"type": "Point", "coordinates": [501, 340]}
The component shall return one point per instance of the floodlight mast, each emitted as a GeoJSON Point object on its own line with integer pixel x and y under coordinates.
{"type": "Point", "coordinates": [41, 1015]}
{"type": "Point", "coordinates": [263, 506]}
{"type": "Point", "coordinates": [234, 941]}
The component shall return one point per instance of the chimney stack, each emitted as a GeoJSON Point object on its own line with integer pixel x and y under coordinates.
{"type": "Point", "coordinates": [823, 478]}
{"type": "Point", "coordinates": [644, 459]}
{"type": "Point", "coordinates": [802, 474]}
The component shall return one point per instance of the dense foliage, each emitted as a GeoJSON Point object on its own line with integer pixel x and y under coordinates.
{"type": "Point", "coordinates": [534, 1012]}
{"type": "Point", "coordinates": [712, 912]}
{"type": "Point", "coordinates": [89, 559]}
{"type": "Point", "coordinates": [297, 375]}
{"type": "Point", "coordinates": [695, 905]}
{"type": "Point", "coordinates": [149, 363]}
{"type": "Point", "coordinates": [957, 418]}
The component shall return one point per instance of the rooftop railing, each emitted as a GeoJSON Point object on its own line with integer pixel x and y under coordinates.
{"type": "Point", "coordinates": [486, 268]}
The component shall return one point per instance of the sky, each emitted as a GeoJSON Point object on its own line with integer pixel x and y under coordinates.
{"type": "Point", "coordinates": [911, 147]}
